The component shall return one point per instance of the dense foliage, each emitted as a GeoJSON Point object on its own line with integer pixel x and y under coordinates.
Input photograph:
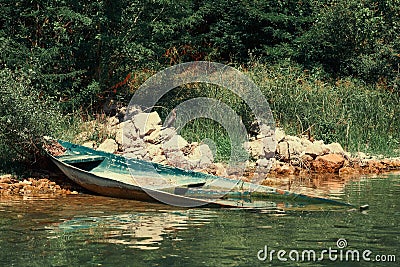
{"type": "Point", "coordinates": [25, 117]}
{"type": "Point", "coordinates": [80, 55]}
{"type": "Point", "coordinates": [78, 51]}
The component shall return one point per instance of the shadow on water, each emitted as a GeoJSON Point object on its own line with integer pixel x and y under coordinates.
{"type": "Point", "coordinates": [88, 230]}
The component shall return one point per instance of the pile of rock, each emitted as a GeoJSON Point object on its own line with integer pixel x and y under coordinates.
{"type": "Point", "coordinates": [143, 137]}
{"type": "Point", "coordinates": [305, 154]}
{"type": "Point", "coordinates": [296, 155]}
{"type": "Point", "coordinates": [30, 187]}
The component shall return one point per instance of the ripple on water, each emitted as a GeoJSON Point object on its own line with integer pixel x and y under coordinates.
{"type": "Point", "coordinates": [135, 230]}
{"type": "Point", "coordinates": [92, 230]}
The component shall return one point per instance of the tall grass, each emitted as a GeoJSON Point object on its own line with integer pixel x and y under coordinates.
{"type": "Point", "coordinates": [203, 128]}
{"type": "Point", "coordinates": [360, 117]}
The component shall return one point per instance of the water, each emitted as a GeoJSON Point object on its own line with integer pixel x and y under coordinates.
{"type": "Point", "coordinates": [89, 230]}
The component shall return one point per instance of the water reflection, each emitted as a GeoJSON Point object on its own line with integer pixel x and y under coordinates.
{"type": "Point", "coordinates": [89, 230]}
{"type": "Point", "coordinates": [136, 230]}
{"type": "Point", "coordinates": [324, 185]}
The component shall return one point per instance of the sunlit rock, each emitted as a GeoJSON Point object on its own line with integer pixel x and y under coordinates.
{"type": "Point", "coordinates": [109, 145]}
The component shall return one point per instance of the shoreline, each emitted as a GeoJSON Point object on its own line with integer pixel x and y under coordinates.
{"type": "Point", "coordinates": [55, 185]}
{"type": "Point", "coordinates": [293, 158]}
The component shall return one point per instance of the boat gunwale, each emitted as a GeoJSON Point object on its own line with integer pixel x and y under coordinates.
{"type": "Point", "coordinates": [274, 192]}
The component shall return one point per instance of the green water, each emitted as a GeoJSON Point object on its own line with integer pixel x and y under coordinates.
{"type": "Point", "coordinates": [89, 230]}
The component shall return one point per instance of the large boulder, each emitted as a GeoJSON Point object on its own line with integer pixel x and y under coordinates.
{"type": "Point", "coordinates": [269, 146]}
{"type": "Point", "coordinates": [316, 149]}
{"type": "Point", "coordinates": [265, 131]}
{"type": "Point", "coordinates": [177, 159]}
{"type": "Point", "coordinates": [136, 149]}
{"type": "Point", "coordinates": [146, 123]}
{"type": "Point", "coordinates": [154, 136]}
{"type": "Point", "coordinates": [255, 148]}
{"type": "Point", "coordinates": [264, 165]}
{"type": "Point", "coordinates": [305, 142]}
{"type": "Point", "coordinates": [166, 134]}
{"type": "Point", "coordinates": [330, 163]}
{"type": "Point", "coordinates": [282, 150]}
{"type": "Point", "coordinates": [109, 145]}
{"type": "Point", "coordinates": [154, 151]}
{"type": "Point", "coordinates": [295, 148]}
{"type": "Point", "coordinates": [279, 135]}
{"type": "Point", "coordinates": [335, 148]}
{"type": "Point", "coordinates": [177, 142]}
{"type": "Point", "coordinates": [159, 159]}
{"type": "Point", "coordinates": [119, 135]}
{"type": "Point", "coordinates": [202, 154]}
{"type": "Point", "coordinates": [126, 133]}
{"type": "Point", "coordinates": [260, 148]}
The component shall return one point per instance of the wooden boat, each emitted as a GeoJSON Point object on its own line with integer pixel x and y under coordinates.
{"type": "Point", "coordinates": [116, 176]}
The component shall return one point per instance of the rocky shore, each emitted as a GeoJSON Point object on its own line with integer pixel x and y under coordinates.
{"type": "Point", "coordinates": [144, 137]}
{"type": "Point", "coordinates": [10, 186]}
{"type": "Point", "coordinates": [296, 155]}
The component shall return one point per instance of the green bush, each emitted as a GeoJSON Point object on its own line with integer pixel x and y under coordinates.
{"type": "Point", "coordinates": [357, 38]}
{"type": "Point", "coordinates": [25, 117]}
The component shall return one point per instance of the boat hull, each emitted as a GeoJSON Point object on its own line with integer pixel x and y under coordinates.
{"type": "Point", "coordinates": [117, 189]}
{"type": "Point", "coordinates": [235, 193]}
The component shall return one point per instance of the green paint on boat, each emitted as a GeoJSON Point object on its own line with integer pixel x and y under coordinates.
{"type": "Point", "coordinates": [116, 176]}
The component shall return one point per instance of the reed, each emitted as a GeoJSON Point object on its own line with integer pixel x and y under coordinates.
{"type": "Point", "coordinates": [359, 116]}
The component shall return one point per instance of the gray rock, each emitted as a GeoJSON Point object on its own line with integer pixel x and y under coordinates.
{"type": "Point", "coordinates": [335, 148]}
{"type": "Point", "coordinates": [177, 142]}
{"type": "Point", "coordinates": [127, 132]}
{"type": "Point", "coordinates": [255, 148]}
{"type": "Point", "coordinates": [264, 163]}
{"type": "Point", "coordinates": [202, 154]}
{"type": "Point", "coordinates": [166, 134]}
{"type": "Point", "coordinates": [154, 136]}
{"type": "Point", "coordinates": [160, 159]}
{"type": "Point", "coordinates": [279, 135]}
{"type": "Point", "coordinates": [177, 159]}
{"type": "Point", "coordinates": [154, 151]}
{"type": "Point", "coordinates": [305, 142]}
{"type": "Point", "coordinates": [136, 151]}
{"type": "Point", "coordinates": [295, 148]}
{"type": "Point", "coordinates": [316, 149]}
{"type": "Point", "coordinates": [269, 146]}
{"type": "Point", "coordinates": [145, 123]}
{"type": "Point", "coordinates": [265, 131]}
{"type": "Point", "coordinates": [282, 150]}
{"type": "Point", "coordinates": [292, 138]}
{"type": "Point", "coordinates": [109, 145]}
